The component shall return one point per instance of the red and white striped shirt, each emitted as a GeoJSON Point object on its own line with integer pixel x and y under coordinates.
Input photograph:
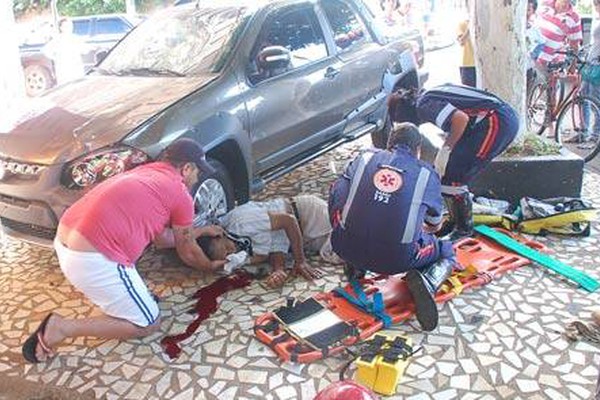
{"type": "Point", "coordinates": [557, 30]}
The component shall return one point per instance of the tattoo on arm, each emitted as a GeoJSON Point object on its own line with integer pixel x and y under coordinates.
{"type": "Point", "coordinates": [187, 234]}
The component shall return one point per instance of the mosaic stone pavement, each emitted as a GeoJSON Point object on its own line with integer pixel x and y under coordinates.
{"type": "Point", "coordinates": [501, 341]}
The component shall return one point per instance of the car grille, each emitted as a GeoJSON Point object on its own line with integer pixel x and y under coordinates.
{"type": "Point", "coordinates": [29, 229]}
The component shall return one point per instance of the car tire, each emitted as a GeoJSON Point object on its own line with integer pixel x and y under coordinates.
{"type": "Point", "coordinates": [38, 79]}
{"type": "Point", "coordinates": [380, 137]}
{"type": "Point", "coordinates": [213, 195]}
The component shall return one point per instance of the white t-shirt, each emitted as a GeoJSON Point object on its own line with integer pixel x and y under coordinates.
{"type": "Point", "coordinates": [252, 219]}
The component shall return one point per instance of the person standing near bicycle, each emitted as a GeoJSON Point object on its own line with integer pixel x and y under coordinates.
{"type": "Point", "coordinates": [559, 26]}
{"type": "Point", "coordinates": [591, 86]}
{"type": "Point", "coordinates": [479, 126]}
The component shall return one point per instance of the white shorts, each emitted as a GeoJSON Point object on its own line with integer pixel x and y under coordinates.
{"type": "Point", "coordinates": [118, 290]}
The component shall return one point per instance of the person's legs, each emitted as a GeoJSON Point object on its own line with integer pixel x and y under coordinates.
{"type": "Point", "coordinates": [313, 218]}
{"type": "Point", "coordinates": [476, 149]}
{"type": "Point", "coordinates": [316, 229]}
{"type": "Point", "coordinates": [468, 76]}
{"type": "Point", "coordinates": [432, 266]}
{"type": "Point", "coordinates": [59, 328]}
{"type": "Point", "coordinates": [119, 291]}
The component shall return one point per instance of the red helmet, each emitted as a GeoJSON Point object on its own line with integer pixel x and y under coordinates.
{"type": "Point", "coordinates": [346, 390]}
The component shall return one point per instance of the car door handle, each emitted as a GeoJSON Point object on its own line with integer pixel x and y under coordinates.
{"type": "Point", "coordinates": [331, 72]}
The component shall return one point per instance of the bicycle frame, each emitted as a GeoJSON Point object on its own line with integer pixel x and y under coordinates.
{"type": "Point", "coordinates": [556, 107]}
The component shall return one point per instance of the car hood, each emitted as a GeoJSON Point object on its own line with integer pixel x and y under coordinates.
{"type": "Point", "coordinates": [88, 114]}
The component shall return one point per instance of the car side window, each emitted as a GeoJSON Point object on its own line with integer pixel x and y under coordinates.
{"type": "Point", "coordinates": [349, 31]}
{"type": "Point", "coordinates": [81, 27]}
{"type": "Point", "coordinates": [295, 29]}
{"type": "Point", "coordinates": [109, 26]}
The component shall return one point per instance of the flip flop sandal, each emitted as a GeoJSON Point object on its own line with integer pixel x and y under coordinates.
{"type": "Point", "coordinates": [30, 345]}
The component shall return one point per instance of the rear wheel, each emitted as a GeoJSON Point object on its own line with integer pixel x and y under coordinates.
{"type": "Point", "coordinates": [578, 127]}
{"type": "Point", "coordinates": [537, 105]}
{"type": "Point", "coordinates": [38, 79]}
{"type": "Point", "coordinates": [213, 196]}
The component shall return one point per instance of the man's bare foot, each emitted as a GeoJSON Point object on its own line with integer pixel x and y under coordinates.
{"type": "Point", "coordinates": [307, 272]}
{"type": "Point", "coordinates": [277, 278]}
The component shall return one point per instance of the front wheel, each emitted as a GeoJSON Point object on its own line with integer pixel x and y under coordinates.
{"type": "Point", "coordinates": [578, 127]}
{"type": "Point", "coordinates": [213, 195]}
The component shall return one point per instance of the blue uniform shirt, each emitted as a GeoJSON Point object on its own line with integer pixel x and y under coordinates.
{"type": "Point", "coordinates": [439, 103]}
{"type": "Point", "coordinates": [378, 208]}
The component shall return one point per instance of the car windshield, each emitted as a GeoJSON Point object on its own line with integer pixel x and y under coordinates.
{"type": "Point", "coordinates": [183, 41]}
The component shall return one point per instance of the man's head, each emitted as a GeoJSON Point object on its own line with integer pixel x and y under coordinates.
{"type": "Point", "coordinates": [216, 248]}
{"type": "Point", "coordinates": [402, 106]}
{"type": "Point", "coordinates": [562, 6]}
{"type": "Point", "coordinates": [408, 135]}
{"type": "Point", "coordinates": [531, 7]}
{"type": "Point", "coordinates": [186, 155]}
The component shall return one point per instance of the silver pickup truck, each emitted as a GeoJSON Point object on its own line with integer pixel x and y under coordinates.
{"type": "Point", "coordinates": [263, 86]}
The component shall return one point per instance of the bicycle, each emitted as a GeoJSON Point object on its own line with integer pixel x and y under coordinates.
{"type": "Point", "coordinates": [577, 116]}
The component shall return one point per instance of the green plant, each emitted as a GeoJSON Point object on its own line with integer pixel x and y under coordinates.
{"type": "Point", "coordinates": [532, 145]}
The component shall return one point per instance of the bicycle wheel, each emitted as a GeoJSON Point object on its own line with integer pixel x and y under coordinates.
{"type": "Point", "coordinates": [536, 108]}
{"type": "Point", "coordinates": [578, 127]}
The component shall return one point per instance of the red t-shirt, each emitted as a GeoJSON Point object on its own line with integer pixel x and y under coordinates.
{"type": "Point", "coordinates": [122, 215]}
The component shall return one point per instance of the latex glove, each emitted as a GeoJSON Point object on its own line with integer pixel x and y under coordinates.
{"type": "Point", "coordinates": [441, 160]}
{"type": "Point", "coordinates": [235, 260]}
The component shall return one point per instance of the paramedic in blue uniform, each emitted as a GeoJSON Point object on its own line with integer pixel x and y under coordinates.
{"type": "Point", "coordinates": [478, 125]}
{"type": "Point", "coordinates": [384, 211]}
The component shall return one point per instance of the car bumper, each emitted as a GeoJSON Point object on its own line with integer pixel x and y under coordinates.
{"type": "Point", "coordinates": [31, 208]}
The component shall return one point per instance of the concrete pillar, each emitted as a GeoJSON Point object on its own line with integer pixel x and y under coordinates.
{"type": "Point", "coordinates": [498, 28]}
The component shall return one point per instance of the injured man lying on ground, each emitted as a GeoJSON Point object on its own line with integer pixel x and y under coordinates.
{"type": "Point", "coordinates": [259, 232]}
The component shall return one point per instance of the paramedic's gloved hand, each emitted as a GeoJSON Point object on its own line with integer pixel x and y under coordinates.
{"type": "Point", "coordinates": [209, 230]}
{"type": "Point", "coordinates": [306, 271]}
{"type": "Point", "coordinates": [441, 160]}
{"type": "Point", "coordinates": [236, 260]}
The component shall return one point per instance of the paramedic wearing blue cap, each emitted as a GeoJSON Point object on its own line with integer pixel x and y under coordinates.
{"type": "Point", "coordinates": [479, 126]}
{"type": "Point", "coordinates": [384, 211]}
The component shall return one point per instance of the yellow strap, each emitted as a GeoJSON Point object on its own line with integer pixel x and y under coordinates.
{"type": "Point", "coordinates": [453, 285]}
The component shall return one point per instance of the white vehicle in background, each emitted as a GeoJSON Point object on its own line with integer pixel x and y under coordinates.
{"type": "Point", "coordinates": [99, 33]}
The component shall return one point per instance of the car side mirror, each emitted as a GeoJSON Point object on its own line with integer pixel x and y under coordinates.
{"type": "Point", "coordinates": [274, 58]}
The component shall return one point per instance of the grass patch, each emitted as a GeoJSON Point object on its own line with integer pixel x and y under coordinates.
{"type": "Point", "coordinates": [532, 145]}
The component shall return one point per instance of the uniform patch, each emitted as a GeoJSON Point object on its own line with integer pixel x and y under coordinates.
{"type": "Point", "coordinates": [387, 180]}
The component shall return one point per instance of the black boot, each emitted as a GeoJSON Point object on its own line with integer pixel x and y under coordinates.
{"type": "Point", "coordinates": [461, 213]}
{"type": "Point", "coordinates": [448, 222]}
{"type": "Point", "coordinates": [423, 286]}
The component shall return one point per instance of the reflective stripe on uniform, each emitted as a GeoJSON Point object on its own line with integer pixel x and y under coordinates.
{"type": "Point", "coordinates": [415, 205]}
{"type": "Point", "coordinates": [363, 161]}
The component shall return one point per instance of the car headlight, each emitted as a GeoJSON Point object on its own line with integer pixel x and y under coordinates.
{"type": "Point", "coordinates": [96, 167]}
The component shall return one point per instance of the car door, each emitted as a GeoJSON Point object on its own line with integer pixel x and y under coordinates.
{"type": "Point", "coordinates": [363, 61]}
{"type": "Point", "coordinates": [294, 109]}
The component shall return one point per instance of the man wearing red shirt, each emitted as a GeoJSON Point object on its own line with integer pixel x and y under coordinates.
{"type": "Point", "coordinates": [101, 236]}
